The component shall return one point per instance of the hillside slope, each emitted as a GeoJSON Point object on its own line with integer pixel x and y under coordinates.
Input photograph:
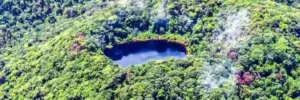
{"type": "Point", "coordinates": [237, 49]}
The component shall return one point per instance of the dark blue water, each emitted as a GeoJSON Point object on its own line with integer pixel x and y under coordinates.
{"type": "Point", "coordinates": [141, 52]}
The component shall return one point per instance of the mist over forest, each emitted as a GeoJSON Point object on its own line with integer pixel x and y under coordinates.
{"type": "Point", "coordinates": [150, 49]}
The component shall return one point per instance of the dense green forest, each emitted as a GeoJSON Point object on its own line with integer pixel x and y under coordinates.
{"type": "Point", "coordinates": [237, 49]}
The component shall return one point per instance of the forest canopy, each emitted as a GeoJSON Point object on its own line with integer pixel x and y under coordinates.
{"type": "Point", "coordinates": [236, 49]}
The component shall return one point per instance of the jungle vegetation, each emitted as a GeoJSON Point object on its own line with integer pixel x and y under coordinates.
{"type": "Point", "coordinates": [237, 49]}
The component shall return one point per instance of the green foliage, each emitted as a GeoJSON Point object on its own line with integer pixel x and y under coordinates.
{"type": "Point", "coordinates": [36, 60]}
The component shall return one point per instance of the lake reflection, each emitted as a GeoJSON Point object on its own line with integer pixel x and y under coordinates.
{"type": "Point", "coordinates": [144, 56]}
{"type": "Point", "coordinates": [141, 52]}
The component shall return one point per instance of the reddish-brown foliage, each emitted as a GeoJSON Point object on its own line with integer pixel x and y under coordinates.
{"type": "Point", "coordinates": [279, 76]}
{"type": "Point", "coordinates": [232, 54]}
{"type": "Point", "coordinates": [80, 35]}
{"type": "Point", "coordinates": [243, 78]}
{"type": "Point", "coordinates": [75, 47]}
